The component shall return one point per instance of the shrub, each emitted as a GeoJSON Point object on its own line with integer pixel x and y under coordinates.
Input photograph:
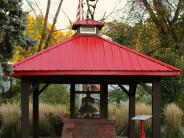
{"type": "Point", "coordinates": [173, 118]}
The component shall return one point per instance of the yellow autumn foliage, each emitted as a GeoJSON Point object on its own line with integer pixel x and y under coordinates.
{"type": "Point", "coordinates": [34, 29]}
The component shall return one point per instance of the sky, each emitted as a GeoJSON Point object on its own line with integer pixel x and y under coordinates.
{"type": "Point", "coordinates": [70, 8]}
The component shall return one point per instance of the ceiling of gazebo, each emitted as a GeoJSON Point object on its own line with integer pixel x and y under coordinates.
{"type": "Point", "coordinates": [92, 55]}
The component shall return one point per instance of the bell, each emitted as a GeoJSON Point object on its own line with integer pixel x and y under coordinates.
{"type": "Point", "coordinates": [87, 109]}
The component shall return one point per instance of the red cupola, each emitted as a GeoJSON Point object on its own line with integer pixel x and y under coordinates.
{"type": "Point", "coordinates": [87, 26]}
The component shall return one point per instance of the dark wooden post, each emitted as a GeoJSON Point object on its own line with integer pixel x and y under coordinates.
{"type": "Point", "coordinates": [72, 100]}
{"type": "Point", "coordinates": [131, 124]}
{"type": "Point", "coordinates": [156, 103]}
{"type": "Point", "coordinates": [104, 101]}
{"type": "Point", "coordinates": [36, 112]}
{"type": "Point", "coordinates": [25, 90]}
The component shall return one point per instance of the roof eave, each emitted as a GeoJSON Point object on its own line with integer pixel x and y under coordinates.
{"type": "Point", "coordinates": [108, 73]}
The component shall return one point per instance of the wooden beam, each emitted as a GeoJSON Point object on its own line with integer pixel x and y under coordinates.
{"type": "Point", "coordinates": [25, 90]}
{"type": "Point", "coordinates": [43, 88]}
{"type": "Point", "coordinates": [131, 125]}
{"type": "Point", "coordinates": [72, 100]}
{"type": "Point", "coordinates": [104, 101]}
{"type": "Point", "coordinates": [36, 112]}
{"type": "Point", "coordinates": [92, 79]}
{"type": "Point", "coordinates": [85, 92]}
{"type": "Point", "coordinates": [156, 103]}
{"type": "Point", "coordinates": [124, 89]}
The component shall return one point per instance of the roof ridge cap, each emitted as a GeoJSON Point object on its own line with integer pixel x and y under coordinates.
{"type": "Point", "coordinates": [141, 54]}
{"type": "Point", "coordinates": [43, 51]}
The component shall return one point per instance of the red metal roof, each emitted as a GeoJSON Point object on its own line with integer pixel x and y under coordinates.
{"type": "Point", "coordinates": [92, 55]}
{"type": "Point", "coordinates": [87, 22]}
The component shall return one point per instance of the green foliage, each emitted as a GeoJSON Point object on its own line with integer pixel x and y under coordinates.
{"type": "Point", "coordinates": [11, 131]}
{"type": "Point", "coordinates": [55, 94]}
{"type": "Point", "coordinates": [45, 128]}
{"type": "Point", "coordinates": [142, 95]}
{"type": "Point", "coordinates": [119, 32]}
{"type": "Point", "coordinates": [12, 25]}
{"type": "Point", "coordinates": [5, 68]}
{"type": "Point", "coordinates": [56, 122]}
{"type": "Point", "coordinates": [117, 95]}
{"type": "Point", "coordinates": [172, 133]}
{"type": "Point", "coordinates": [172, 87]}
{"type": "Point", "coordinates": [146, 38]}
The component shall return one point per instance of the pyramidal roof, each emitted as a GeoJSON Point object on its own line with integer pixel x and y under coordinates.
{"type": "Point", "coordinates": [92, 55]}
{"type": "Point", "coordinates": [86, 54]}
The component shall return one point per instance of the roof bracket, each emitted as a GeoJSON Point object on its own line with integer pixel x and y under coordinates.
{"type": "Point", "coordinates": [124, 89]}
{"type": "Point", "coordinates": [43, 88]}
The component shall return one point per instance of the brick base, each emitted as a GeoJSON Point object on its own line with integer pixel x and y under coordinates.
{"type": "Point", "coordinates": [89, 128]}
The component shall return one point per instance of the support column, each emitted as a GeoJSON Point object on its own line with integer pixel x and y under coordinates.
{"type": "Point", "coordinates": [156, 103]}
{"type": "Point", "coordinates": [36, 112]}
{"type": "Point", "coordinates": [131, 127]}
{"type": "Point", "coordinates": [104, 100]}
{"type": "Point", "coordinates": [25, 90]}
{"type": "Point", "coordinates": [72, 100]}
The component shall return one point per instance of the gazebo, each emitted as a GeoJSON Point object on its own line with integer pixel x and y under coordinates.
{"type": "Point", "coordinates": [87, 58]}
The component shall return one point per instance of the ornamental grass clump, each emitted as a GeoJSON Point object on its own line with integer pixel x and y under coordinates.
{"type": "Point", "coordinates": [173, 118]}
{"type": "Point", "coordinates": [10, 120]}
{"type": "Point", "coordinates": [50, 118]}
{"type": "Point", "coordinates": [113, 110]}
{"type": "Point", "coordinates": [119, 113]}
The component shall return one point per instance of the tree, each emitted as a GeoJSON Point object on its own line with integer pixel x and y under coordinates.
{"type": "Point", "coordinates": [157, 29]}
{"type": "Point", "coordinates": [117, 95]}
{"type": "Point", "coordinates": [141, 37]}
{"type": "Point", "coordinates": [45, 39]}
{"type": "Point", "coordinates": [168, 16]}
{"type": "Point", "coordinates": [145, 38]}
{"type": "Point", "coordinates": [12, 26]}
{"type": "Point", "coordinates": [119, 32]}
{"type": "Point", "coordinates": [34, 29]}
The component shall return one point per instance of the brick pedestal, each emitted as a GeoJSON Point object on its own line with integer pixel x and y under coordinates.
{"type": "Point", "coordinates": [89, 128]}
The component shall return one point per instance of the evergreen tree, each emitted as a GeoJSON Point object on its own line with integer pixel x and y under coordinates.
{"type": "Point", "coordinates": [12, 34]}
{"type": "Point", "coordinates": [12, 26]}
